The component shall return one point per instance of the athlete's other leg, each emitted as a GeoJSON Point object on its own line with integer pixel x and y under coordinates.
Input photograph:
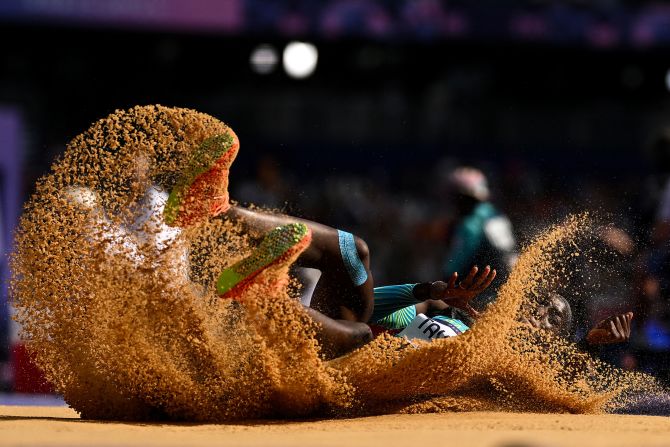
{"type": "Point", "coordinates": [337, 337]}
{"type": "Point", "coordinates": [345, 289]}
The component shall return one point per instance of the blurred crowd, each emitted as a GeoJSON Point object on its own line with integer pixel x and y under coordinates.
{"type": "Point", "coordinates": [600, 24]}
{"type": "Point", "coordinates": [422, 225]}
{"type": "Point", "coordinates": [596, 23]}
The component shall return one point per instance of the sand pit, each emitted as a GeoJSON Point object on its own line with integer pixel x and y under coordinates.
{"type": "Point", "coordinates": [57, 426]}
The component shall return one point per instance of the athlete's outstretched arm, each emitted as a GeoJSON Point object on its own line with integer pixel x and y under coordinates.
{"type": "Point", "coordinates": [615, 329]}
{"type": "Point", "coordinates": [457, 294]}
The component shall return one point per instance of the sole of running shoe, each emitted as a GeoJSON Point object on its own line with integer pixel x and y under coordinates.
{"type": "Point", "coordinates": [277, 246]}
{"type": "Point", "coordinates": [202, 190]}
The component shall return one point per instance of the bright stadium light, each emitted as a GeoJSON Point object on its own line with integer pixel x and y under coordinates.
{"type": "Point", "coordinates": [300, 59]}
{"type": "Point", "coordinates": [263, 59]}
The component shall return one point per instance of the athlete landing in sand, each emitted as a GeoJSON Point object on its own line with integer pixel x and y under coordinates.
{"type": "Point", "coordinates": [343, 300]}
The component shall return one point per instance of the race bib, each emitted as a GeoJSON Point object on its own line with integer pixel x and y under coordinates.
{"type": "Point", "coordinates": [424, 328]}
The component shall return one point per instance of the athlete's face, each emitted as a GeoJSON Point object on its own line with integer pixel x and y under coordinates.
{"type": "Point", "coordinates": [553, 315]}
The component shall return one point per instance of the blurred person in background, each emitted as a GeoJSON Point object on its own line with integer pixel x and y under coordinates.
{"type": "Point", "coordinates": [480, 234]}
{"type": "Point", "coordinates": [652, 353]}
{"type": "Point", "coordinates": [656, 198]}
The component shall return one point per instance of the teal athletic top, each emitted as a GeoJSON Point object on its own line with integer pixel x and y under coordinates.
{"type": "Point", "coordinates": [395, 308]}
{"type": "Point", "coordinates": [389, 299]}
{"type": "Point", "coordinates": [484, 237]}
{"type": "Point", "coordinates": [468, 239]}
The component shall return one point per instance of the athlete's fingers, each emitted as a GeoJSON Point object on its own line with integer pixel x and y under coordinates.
{"type": "Point", "coordinates": [452, 280]}
{"type": "Point", "coordinates": [625, 327]}
{"type": "Point", "coordinates": [488, 280]}
{"type": "Point", "coordinates": [492, 276]}
{"type": "Point", "coordinates": [481, 277]}
{"type": "Point", "coordinates": [467, 282]}
{"type": "Point", "coordinates": [621, 325]}
{"type": "Point", "coordinates": [471, 310]}
{"type": "Point", "coordinates": [613, 330]}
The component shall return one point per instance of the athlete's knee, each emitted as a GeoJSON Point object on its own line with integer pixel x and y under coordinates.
{"type": "Point", "coordinates": [360, 334]}
{"type": "Point", "coordinates": [363, 250]}
{"type": "Point", "coordinates": [355, 256]}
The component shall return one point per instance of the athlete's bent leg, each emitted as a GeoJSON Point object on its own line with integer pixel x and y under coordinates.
{"type": "Point", "coordinates": [345, 289]}
{"type": "Point", "coordinates": [338, 337]}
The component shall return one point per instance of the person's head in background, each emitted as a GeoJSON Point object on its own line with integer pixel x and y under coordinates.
{"type": "Point", "coordinates": [468, 187]}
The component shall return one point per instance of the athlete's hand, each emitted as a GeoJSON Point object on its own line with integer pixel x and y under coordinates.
{"type": "Point", "coordinates": [615, 329]}
{"type": "Point", "coordinates": [459, 295]}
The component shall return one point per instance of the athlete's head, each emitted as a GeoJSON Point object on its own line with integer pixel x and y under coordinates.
{"type": "Point", "coordinates": [468, 186]}
{"type": "Point", "coordinates": [469, 182]}
{"type": "Point", "coordinates": [553, 314]}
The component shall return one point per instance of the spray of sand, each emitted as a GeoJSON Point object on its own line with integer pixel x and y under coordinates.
{"type": "Point", "coordinates": [128, 328]}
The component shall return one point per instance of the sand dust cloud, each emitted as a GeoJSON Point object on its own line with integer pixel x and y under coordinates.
{"type": "Point", "coordinates": [127, 325]}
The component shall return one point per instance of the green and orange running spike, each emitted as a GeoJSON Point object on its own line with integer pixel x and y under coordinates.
{"type": "Point", "coordinates": [202, 190]}
{"type": "Point", "coordinates": [277, 246]}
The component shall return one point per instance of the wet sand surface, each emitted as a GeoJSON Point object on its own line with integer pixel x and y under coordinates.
{"type": "Point", "coordinates": [59, 426]}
